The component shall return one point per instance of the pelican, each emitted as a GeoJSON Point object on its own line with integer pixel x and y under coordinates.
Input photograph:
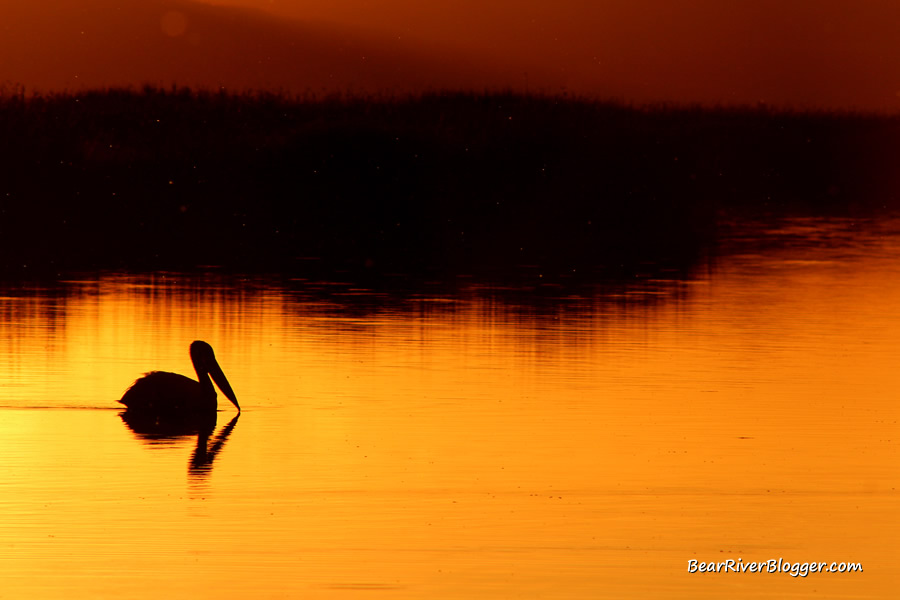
{"type": "Point", "coordinates": [162, 393]}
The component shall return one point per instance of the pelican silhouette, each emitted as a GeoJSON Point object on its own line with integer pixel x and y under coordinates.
{"type": "Point", "coordinates": [172, 395]}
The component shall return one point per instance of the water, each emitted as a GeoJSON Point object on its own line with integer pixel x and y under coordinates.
{"type": "Point", "coordinates": [555, 442]}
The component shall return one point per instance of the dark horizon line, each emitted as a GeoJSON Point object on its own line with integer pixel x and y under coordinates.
{"type": "Point", "coordinates": [17, 91]}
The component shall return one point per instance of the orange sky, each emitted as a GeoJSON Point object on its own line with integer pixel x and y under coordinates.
{"type": "Point", "coordinates": [800, 53]}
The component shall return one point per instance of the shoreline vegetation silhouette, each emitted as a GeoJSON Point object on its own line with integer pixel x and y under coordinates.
{"type": "Point", "coordinates": [452, 182]}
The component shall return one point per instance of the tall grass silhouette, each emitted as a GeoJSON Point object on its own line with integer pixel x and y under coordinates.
{"type": "Point", "coordinates": [160, 178]}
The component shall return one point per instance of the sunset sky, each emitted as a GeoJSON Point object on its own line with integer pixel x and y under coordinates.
{"type": "Point", "coordinates": [802, 53]}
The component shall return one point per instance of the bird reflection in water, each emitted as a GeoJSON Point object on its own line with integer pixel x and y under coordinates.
{"type": "Point", "coordinates": [157, 432]}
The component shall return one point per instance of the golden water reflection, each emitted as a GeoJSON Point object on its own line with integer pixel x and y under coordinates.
{"type": "Point", "coordinates": [474, 443]}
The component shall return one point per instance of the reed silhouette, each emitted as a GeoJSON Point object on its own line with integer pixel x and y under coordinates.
{"type": "Point", "coordinates": [453, 182]}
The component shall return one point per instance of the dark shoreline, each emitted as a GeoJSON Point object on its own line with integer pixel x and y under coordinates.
{"type": "Point", "coordinates": [439, 183]}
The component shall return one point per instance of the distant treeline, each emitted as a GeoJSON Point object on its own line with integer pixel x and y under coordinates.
{"type": "Point", "coordinates": [174, 178]}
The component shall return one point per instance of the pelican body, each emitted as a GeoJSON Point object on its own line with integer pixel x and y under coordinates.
{"type": "Point", "coordinates": [162, 393]}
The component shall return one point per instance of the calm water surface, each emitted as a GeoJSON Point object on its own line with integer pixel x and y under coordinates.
{"type": "Point", "coordinates": [481, 443]}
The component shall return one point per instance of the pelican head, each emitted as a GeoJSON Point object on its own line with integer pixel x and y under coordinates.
{"type": "Point", "coordinates": [205, 364]}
